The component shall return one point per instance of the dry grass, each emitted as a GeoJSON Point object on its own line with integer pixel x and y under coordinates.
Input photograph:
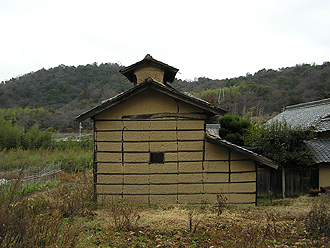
{"type": "Point", "coordinates": [65, 216]}
{"type": "Point", "coordinates": [279, 225]}
{"type": "Point", "coordinates": [44, 218]}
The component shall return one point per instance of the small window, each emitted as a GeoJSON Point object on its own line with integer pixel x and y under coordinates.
{"type": "Point", "coordinates": [156, 157]}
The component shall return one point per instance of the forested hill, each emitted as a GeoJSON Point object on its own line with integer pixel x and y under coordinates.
{"type": "Point", "coordinates": [266, 91]}
{"type": "Point", "coordinates": [66, 91]}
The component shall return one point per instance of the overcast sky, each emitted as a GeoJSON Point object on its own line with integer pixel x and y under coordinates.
{"type": "Point", "coordinates": [215, 39]}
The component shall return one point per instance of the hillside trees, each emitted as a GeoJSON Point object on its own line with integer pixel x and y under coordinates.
{"type": "Point", "coordinates": [72, 90]}
{"type": "Point", "coordinates": [273, 89]}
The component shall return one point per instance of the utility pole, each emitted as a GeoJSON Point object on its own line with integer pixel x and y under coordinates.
{"type": "Point", "coordinates": [80, 127]}
{"type": "Point", "coordinates": [283, 182]}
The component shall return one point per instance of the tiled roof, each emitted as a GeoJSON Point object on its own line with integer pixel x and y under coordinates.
{"type": "Point", "coordinates": [241, 150]}
{"type": "Point", "coordinates": [188, 98]}
{"type": "Point", "coordinates": [306, 115]}
{"type": "Point", "coordinates": [320, 149]}
{"type": "Point", "coordinates": [323, 125]}
{"type": "Point", "coordinates": [213, 129]}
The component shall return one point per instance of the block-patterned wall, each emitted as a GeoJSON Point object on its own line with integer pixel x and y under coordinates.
{"type": "Point", "coordinates": [193, 171]}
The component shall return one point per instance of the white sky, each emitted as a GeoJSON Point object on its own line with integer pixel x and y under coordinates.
{"type": "Point", "coordinates": [215, 39]}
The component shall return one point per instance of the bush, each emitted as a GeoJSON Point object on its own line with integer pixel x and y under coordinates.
{"type": "Point", "coordinates": [232, 129]}
{"type": "Point", "coordinates": [282, 144]}
{"type": "Point", "coordinates": [12, 136]}
{"type": "Point", "coordinates": [317, 221]}
{"type": "Point", "coordinates": [75, 198]}
{"type": "Point", "coordinates": [36, 138]}
{"type": "Point", "coordinates": [40, 221]}
{"type": "Point", "coordinates": [123, 215]}
{"type": "Point", "coordinates": [73, 160]}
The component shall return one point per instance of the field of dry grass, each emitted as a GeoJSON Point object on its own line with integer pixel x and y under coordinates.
{"type": "Point", "coordinates": [65, 216]}
{"type": "Point", "coordinates": [280, 224]}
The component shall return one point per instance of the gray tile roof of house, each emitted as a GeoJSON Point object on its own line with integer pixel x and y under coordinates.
{"type": "Point", "coordinates": [213, 129]}
{"type": "Point", "coordinates": [306, 115]}
{"type": "Point", "coordinates": [320, 149]}
{"type": "Point", "coordinates": [323, 125]}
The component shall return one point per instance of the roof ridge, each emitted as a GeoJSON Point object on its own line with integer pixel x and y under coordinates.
{"type": "Point", "coordinates": [309, 104]}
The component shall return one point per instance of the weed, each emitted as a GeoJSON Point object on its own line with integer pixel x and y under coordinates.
{"type": "Point", "coordinates": [35, 187]}
{"type": "Point", "coordinates": [193, 223]}
{"type": "Point", "coordinates": [38, 220]}
{"type": "Point", "coordinates": [222, 203]}
{"type": "Point", "coordinates": [123, 215]}
{"type": "Point", "coordinates": [317, 221]}
{"type": "Point", "coordinates": [75, 198]}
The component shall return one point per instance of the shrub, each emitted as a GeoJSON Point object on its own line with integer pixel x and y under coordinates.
{"type": "Point", "coordinates": [11, 135]}
{"type": "Point", "coordinates": [222, 203]}
{"type": "Point", "coordinates": [123, 215]}
{"type": "Point", "coordinates": [233, 129]}
{"type": "Point", "coordinates": [40, 220]}
{"type": "Point", "coordinates": [282, 144]}
{"type": "Point", "coordinates": [75, 198]}
{"type": "Point", "coordinates": [317, 221]}
{"type": "Point", "coordinates": [36, 138]}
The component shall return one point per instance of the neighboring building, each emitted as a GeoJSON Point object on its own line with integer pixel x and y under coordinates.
{"type": "Point", "coordinates": [314, 116]}
{"type": "Point", "coordinates": [151, 145]}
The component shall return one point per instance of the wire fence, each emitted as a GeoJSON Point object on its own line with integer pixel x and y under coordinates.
{"type": "Point", "coordinates": [29, 177]}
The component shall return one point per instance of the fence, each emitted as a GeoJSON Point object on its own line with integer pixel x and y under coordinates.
{"type": "Point", "coordinates": [296, 182]}
{"type": "Point", "coordinates": [30, 176]}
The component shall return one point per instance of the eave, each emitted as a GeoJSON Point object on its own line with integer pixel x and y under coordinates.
{"type": "Point", "coordinates": [169, 75]}
{"type": "Point", "coordinates": [208, 108]}
{"type": "Point", "coordinates": [241, 150]}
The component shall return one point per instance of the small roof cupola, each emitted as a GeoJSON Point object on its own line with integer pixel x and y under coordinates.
{"type": "Point", "coordinates": [149, 68]}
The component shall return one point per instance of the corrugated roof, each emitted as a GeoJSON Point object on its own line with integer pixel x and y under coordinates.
{"type": "Point", "coordinates": [320, 149]}
{"type": "Point", "coordinates": [306, 115]}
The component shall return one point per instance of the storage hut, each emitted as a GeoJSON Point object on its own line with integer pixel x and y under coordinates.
{"type": "Point", "coordinates": [152, 145]}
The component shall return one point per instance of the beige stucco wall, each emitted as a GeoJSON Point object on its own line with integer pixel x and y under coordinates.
{"type": "Point", "coordinates": [324, 175]}
{"type": "Point", "coordinates": [147, 102]}
{"type": "Point", "coordinates": [194, 171]}
{"type": "Point", "coordinates": [143, 73]}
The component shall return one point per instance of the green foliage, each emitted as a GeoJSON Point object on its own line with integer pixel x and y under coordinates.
{"type": "Point", "coordinates": [29, 117]}
{"type": "Point", "coordinates": [69, 91]}
{"type": "Point", "coordinates": [281, 143]}
{"type": "Point", "coordinates": [74, 160]}
{"type": "Point", "coordinates": [36, 148]}
{"type": "Point", "coordinates": [35, 187]}
{"type": "Point", "coordinates": [270, 89]}
{"type": "Point", "coordinates": [36, 138]}
{"type": "Point", "coordinates": [12, 136]}
{"type": "Point", "coordinates": [69, 160]}
{"type": "Point", "coordinates": [233, 128]}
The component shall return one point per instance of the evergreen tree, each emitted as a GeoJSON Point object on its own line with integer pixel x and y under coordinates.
{"type": "Point", "coordinates": [233, 128]}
